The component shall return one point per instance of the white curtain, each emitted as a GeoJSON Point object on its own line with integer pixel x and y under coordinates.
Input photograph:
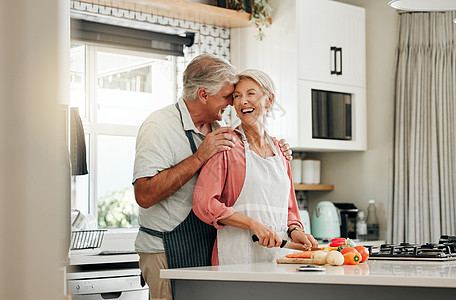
{"type": "Point", "coordinates": [424, 176]}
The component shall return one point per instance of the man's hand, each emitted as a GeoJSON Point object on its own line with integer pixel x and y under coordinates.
{"type": "Point", "coordinates": [149, 191]}
{"type": "Point", "coordinates": [286, 149]}
{"type": "Point", "coordinates": [214, 142]}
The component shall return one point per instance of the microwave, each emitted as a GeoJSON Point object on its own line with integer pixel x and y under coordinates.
{"type": "Point", "coordinates": [331, 117]}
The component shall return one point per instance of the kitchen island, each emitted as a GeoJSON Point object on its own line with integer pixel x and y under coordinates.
{"type": "Point", "coordinates": [374, 279]}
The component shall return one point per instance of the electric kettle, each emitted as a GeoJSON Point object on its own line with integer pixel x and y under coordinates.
{"type": "Point", "coordinates": [325, 221]}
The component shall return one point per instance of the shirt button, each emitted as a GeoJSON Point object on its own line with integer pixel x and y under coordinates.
{"type": "Point", "coordinates": [207, 212]}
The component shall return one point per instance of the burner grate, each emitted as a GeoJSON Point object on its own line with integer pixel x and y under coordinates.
{"type": "Point", "coordinates": [444, 250]}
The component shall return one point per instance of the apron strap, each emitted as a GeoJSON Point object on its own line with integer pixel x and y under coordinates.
{"type": "Point", "coordinates": [152, 232]}
{"type": "Point", "coordinates": [188, 133]}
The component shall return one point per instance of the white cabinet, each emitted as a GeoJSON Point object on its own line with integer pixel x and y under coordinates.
{"type": "Point", "coordinates": [296, 54]}
{"type": "Point", "coordinates": [331, 45]}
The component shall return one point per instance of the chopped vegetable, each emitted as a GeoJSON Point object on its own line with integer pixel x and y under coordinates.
{"type": "Point", "coordinates": [335, 258]}
{"type": "Point", "coordinates": [329, 248]}
{"type": "Point", "coordinates": [338, 242]}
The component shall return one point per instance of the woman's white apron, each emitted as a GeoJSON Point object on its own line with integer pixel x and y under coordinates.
{"type": "Point", "coordinates": [264, 197]}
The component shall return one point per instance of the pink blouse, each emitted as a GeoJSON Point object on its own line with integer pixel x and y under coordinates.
{"type": "Point", "coordinates": [221, 179]}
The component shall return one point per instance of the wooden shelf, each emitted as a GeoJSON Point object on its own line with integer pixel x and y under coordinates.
{"type": "Point", "coordinates": [184, 10]}
{"type": "Point", "coordinates": [314, 187]}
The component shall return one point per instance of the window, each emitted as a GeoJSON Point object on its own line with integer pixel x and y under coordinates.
{"type": "Point", "coordinates": [115, 90]}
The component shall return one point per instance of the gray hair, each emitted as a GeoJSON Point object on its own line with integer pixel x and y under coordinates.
{"type": "Point", "coordinates": [263, 79]}
{"type": "Point", "coordinates": [209, 72]}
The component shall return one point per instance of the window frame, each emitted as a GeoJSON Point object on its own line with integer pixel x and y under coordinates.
{"type": "Point", "coordinates": [93, 129]}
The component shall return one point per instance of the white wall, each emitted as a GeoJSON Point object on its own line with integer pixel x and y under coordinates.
{"type": "Point", "coordinates": [33, 77]}
{"type": "Point", "coordinates": [360, 176]}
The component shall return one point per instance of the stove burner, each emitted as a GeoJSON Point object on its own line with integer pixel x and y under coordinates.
{"type": "Point", "coordinates": [444, 250]}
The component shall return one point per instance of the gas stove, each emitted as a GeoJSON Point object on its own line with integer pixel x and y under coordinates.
{"type": "Point", "coordinates": [445, 250]}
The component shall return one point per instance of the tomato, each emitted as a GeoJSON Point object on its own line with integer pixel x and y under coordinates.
{"type": "Point", "coordinates": [348, 249]}
{"type": "Point", "coordinates": [364, 252]}
{"type": "Point", "coordinates": [352, 258]}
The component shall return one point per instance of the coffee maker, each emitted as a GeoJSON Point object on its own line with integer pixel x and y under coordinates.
{"type": "Point", "coordinates": [348, 215]}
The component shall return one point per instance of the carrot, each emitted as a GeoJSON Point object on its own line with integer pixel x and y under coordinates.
{"type": "Point", "coordinates": [302, 254]}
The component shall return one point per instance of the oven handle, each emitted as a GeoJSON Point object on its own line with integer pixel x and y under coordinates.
{"type": "Point", "coordinates": [112, 295]}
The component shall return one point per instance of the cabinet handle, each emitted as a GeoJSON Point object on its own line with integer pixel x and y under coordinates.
{"type": "Point", "coordinates": [333, 54]}
{"type": "Point", "coordinates": [338, 50]}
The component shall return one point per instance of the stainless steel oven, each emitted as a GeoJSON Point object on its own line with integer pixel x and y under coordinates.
{"type": "Point", "coordinates": [99, 277]}
{"type": "Point", "coordinates": [107, 284]}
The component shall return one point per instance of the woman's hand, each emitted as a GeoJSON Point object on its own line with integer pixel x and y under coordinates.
{"type": "Point", "coordinates": [267, 237]}
{"type": "Point", "coordinates": [299, 236]}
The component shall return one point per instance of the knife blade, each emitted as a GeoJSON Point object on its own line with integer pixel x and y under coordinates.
{"type": "Point", "coordinates": [290, 245]}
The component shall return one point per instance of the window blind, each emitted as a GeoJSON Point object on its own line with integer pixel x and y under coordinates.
{"type": "Point", "coordinates": [129, 38]}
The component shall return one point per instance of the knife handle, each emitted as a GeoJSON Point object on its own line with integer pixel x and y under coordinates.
{"type": "Point", "coordinates": [256, 239]}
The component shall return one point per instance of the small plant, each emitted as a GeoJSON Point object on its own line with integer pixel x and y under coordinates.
{"type": "Point", "coordinates": [260, 13]}
{"type": "Point", "coordinates": [260, 16]}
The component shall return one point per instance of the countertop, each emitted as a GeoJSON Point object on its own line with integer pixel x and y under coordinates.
{"type": "Point", "coordinates": [372, 272]}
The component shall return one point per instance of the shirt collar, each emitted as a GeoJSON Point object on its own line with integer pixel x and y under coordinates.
{"type": "Point", "coordinates": [187, 119]}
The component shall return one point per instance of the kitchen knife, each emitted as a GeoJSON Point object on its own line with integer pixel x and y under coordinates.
{"type": "Point", "coordinates": [289, 245]}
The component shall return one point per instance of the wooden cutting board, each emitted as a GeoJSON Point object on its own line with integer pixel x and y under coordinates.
{"type": "Point", "coordinates": [286, 260]}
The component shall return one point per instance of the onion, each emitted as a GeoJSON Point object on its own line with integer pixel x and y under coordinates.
{"type": "Point", "coordinates": [335, 258]}
{"type": "Point", "coordinates": [318, 257]}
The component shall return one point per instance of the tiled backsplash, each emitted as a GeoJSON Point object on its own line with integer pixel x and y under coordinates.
{"type": "Point", "coordinates": [208, 38]}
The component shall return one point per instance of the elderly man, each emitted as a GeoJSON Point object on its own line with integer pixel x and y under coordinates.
{"type": "Point", "coordinates": [172, 145]}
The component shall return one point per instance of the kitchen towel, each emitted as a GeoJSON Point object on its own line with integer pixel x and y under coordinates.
{"type": "Point", "coordinates": [77, 144]}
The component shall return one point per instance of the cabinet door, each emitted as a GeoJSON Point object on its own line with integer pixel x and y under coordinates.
{"type": "Point", "coordinates": [331, 38]}
{"type": "Point", "coordinates": [306, 118]}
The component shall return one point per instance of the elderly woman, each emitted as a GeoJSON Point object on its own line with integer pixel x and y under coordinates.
{"type": "Point", "coordinates": [248, 189]}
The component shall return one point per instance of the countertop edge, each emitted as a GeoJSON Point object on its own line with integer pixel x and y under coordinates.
{"type": "Point", "coordinates": [292, 276]}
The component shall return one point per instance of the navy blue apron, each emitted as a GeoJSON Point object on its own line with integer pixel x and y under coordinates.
{"type": "Point", "coordinates": [190, 244]}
